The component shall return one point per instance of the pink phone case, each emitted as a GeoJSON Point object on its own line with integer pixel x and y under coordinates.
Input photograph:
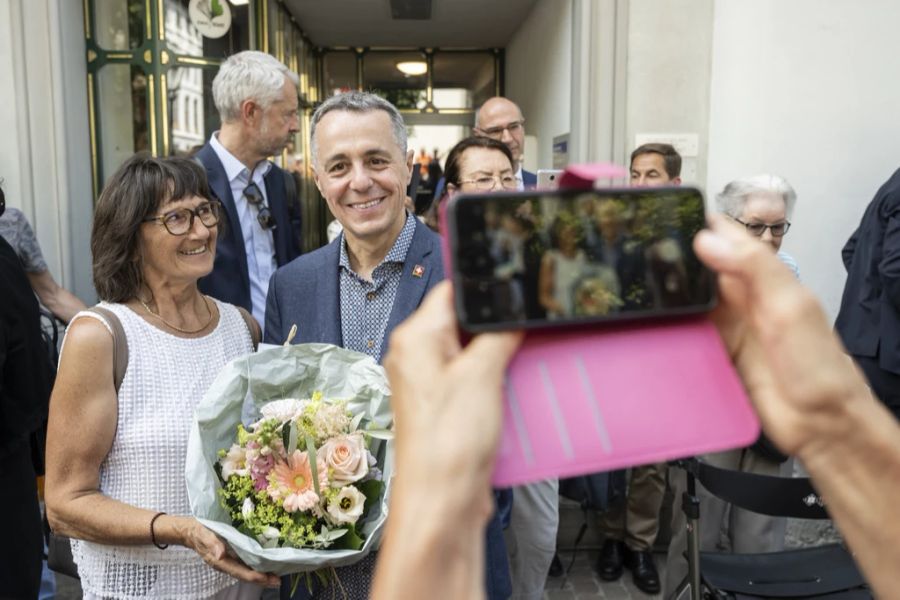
{"type": "Point", "coordinates": [606, 397]}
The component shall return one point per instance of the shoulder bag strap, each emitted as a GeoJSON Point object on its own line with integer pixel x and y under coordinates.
{"type": "Point", "coordinates": [252, 325]}
{"type": "Point", "coordinates": [120, 344]}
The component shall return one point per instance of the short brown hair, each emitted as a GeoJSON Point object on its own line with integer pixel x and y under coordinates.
{"type": "Point", "coordinates": [136, 191]}
{"type": "Point", "coordinates": [671, 158]}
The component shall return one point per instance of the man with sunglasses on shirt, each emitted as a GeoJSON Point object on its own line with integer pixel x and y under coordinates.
{"type": "Point", "coordinates": [256, 97]}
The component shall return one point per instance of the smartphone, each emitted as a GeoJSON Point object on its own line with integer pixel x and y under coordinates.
{"type": "Point", "coordinates": [548, 179]}
{"type": "Point", "coordinates": [548, 259]}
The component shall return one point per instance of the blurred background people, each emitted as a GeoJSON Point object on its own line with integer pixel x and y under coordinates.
{"type": "Point", "coordinates": [563, 264]}
{"type": "Point", "coordinates": [16, 230]}
{"type": "Point", "coordinates": [869, 318]}
{"type": "Point", "coordinates": [115, 455]}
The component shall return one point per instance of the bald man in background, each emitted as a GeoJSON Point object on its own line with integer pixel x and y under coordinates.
{"type": "Point", "coordinates": [501, 119]}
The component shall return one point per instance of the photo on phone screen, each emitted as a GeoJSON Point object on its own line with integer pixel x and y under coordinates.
{"type": "Point", "coordinates": [545, 259]}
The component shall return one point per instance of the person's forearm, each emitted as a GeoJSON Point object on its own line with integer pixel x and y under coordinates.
{"type": "Point", "coordinates": [65, 305]}
{"type": "Point", "coordinates": [433, 546]}
{"type": "Point", "coordinates": [97, 518]}
{"type": "Point", "coordinates": [858, 478]}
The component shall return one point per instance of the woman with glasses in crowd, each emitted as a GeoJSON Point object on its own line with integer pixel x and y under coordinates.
{"type": "Point", "coordinates": [116, 449]}
{"type": "Point", "coordinates": [763, 204]}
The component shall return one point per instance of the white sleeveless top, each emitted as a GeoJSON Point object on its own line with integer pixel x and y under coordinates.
{"type": "Point", "coordinates": [566, 272]}
{"type": "Point", "coordinates": [165, 379]}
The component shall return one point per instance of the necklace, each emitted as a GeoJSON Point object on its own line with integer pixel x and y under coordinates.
{"type": "Point", "coordinates": [179, 329]}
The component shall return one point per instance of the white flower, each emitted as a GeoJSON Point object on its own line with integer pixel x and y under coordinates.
{"type": "Point", "coordinates": [283, 410]}
{"type": "Point", "coordinates": [248, 508]}
{"type": "Point", "coordinates": [347, 506]}
{"type": "Point", "coordinates": [268, 538]}
{"type": "Point", "coordinates": [235, 462]}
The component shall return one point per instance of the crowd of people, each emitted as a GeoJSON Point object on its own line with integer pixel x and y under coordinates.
{"type": "Point", "coordinates": [195, 264]}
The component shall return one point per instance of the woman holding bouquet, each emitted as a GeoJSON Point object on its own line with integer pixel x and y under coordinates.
{"type": "Point", "coordinates": [116, 449]}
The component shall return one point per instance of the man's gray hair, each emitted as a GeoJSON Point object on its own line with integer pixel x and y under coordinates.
{"type": "Point", "coordinates": [360, 102]}
{"type": "Point", "coordinates": [731, 200]}
{"type": "Point", "coordinates": [249, 75]}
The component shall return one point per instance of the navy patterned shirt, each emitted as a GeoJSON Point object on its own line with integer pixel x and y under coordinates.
{"type": "Point", "coordinates": [366, 305]}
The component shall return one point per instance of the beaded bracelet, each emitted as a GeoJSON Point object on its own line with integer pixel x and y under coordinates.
{"type": "Point", "coordinates": [153, 535]}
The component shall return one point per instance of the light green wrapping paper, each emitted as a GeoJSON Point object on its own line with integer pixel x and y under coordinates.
{"type": "Point", "coordinates": [270, 374]}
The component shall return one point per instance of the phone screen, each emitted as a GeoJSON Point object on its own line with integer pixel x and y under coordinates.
{"type": "Point", "coordinates": [545, 259]}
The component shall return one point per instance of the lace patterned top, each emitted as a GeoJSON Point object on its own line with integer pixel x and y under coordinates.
{"type": "Point", "coordinates": [165, 379]}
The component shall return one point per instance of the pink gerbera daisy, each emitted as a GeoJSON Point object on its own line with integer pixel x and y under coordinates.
{"type": "Point", "coordinates": [292, 482]}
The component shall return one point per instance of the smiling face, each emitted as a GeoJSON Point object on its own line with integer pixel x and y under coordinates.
{"type": "Point", "coordinates": [177, 258]}
{"type": "Point", "coordinates": [767, 208]}
{"type": "Point", "coordinates": [361, 171]}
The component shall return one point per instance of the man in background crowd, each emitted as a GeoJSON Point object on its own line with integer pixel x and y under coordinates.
{"type": "Point", "coordinates": [256, 97]}
{"type": "Point", "coordinates": [501, 119]}
{"type": "Point", "coordinates": [630, 528]}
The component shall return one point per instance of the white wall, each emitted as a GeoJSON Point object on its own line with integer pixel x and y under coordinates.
{"type": "Point", "coordinates": [538, 76]}
{"type": "Point", "coordinates": [44, 148]}
{"type": "Point", "coordinates": [808, 90]}
{"type": "Point", "coordinates": [669, 54]}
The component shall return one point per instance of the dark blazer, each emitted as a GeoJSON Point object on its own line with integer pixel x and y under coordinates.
{"type": "Point", "coordinates": [230, 279]}
{"type": "Point", "coordinates": [529, 179]}
{"type": "Point", "coordinates": [869, 318]}
{"type": "Point", "coordinates": [307, 293]}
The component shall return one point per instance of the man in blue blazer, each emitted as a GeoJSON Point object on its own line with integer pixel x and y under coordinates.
{"type": "Point", "coordinates": [869, 319]}
{"type": "Point", "coordinates": [353, 292]}
{"type": "Point", "coordinates": [256, 97]}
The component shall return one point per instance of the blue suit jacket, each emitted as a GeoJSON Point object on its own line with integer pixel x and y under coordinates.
{"type": "Point", "coordinates": [869, 318]}
{"type": "Point", "coordinates": [230, 278]}
{"type": "Point", "coordinates": [529, 179]}
{"type": "Point", "coordinates": [307, 293]}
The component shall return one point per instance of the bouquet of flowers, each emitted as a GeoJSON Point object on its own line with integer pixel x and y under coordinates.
{"type": "Point", "coordinates": [301, 476]}
{"type": "Point", "coordinates": [290, 458]}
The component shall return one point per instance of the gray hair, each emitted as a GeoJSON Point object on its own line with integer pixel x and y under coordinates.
{"type": "Point", "coordinates": [359, 102]}
{"type": "Point", "coordinates": [249, 75]}
{"type": "Point", "coordinates": [731, 200]}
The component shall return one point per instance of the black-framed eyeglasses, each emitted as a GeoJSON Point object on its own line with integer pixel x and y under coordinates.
{"type": "Point", "coordinates": [181, 220]}
{"type": "Point", "coordinates": [487, 182]}
{"type": "Point", "coordinates": [254, 196]}
{"type": "Point", "coordinates": [497, 132]}
{"type": "Point", "coordinates": [757, 229]}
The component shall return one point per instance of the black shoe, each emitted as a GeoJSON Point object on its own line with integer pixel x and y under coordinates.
{"type": "Point", "coordinates": [609, 564]}
{"type": "Point", "coordinates": [556, 567]}
{"type": "Point", "coordinates": [643, 570]}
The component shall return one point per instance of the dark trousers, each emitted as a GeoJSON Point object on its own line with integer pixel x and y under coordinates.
{"type": "Point", "coordinates": [885, 385]}
{"type": "Point", "coordinates": [21, 553]}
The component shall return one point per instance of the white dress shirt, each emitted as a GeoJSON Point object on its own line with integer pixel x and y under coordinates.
{"type": "Point", "coordinates": [258, 242]}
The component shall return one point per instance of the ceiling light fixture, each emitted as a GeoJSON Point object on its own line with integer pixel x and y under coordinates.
{"type": "Point", "coordinates": [239, 2]}
{"type": "Point", "coordinates": [412, 67]}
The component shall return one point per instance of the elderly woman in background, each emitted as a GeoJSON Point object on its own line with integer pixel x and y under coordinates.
{"type": "Point", "coordinates": [763, 204]}
{"type": "Point", "coordinates": [115, 453]}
